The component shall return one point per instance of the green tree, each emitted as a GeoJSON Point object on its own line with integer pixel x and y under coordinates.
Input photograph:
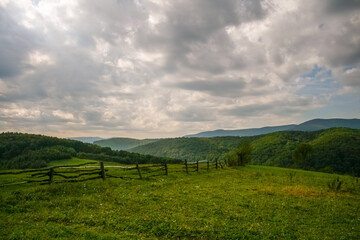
{"type": "Point", "coordinates": [239, 156]}
{"type": "Point", "coordinates": [301, 154]}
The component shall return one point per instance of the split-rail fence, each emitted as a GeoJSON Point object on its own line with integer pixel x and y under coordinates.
{"type": "Point", "coordinates": [88, 171]}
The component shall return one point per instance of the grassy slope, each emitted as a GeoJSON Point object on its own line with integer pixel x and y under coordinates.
{"type": "Point", "coordinates": [123, 143]}
{"type": "Point", "coordinates": [253, 202]}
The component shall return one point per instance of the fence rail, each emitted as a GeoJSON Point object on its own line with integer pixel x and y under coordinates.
{"type": "Point", "coordinates": [82, 172]}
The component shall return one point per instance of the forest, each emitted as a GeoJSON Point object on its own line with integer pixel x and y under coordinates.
{"type": "Point", "coordinates": [20, 150]}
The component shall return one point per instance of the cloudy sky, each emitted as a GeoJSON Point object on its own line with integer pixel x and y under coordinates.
{"type": "Point", "coordinates": [153, 68]}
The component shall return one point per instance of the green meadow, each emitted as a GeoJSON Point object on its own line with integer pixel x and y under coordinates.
{"type": "Point", "coordinates": [252, 202]}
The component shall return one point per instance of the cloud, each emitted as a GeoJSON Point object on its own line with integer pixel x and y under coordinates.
{"type": "Point", "coordinates": [167, 68]}
{"type": "Point", "coordinates": [193, 34]}
{"type": "Point", "coordinates": [15, 43]}
{"type": "Point", "coordinates": [216, 87]}
{"type": "Point", "coordinates": [290, 106]}
{"type": "Point", "coordinates": [334, 6]}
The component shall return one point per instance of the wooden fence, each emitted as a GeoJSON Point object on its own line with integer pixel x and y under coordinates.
{"type": "Point", "coordinates": [84, 172]}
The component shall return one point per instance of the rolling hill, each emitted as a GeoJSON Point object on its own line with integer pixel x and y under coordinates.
{"type": "Point", "coordinates": [19, 150]}
{"type": "Point", "coordinates": [312, 125]}
{"type": "Point", "coordinates": [123, 143]}
{"type": "Point", "coordinates": [335, 149]}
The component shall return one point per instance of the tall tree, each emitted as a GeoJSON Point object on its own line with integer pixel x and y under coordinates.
{"type": "Point", "coordinates": [301, 154]}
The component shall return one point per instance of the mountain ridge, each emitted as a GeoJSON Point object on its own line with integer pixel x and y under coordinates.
{"type": "Point", "coordinates": [311, 125]}
{"type": "Point", "coordinates": [119, 143]}
{"type": "Point", "coordinates": [86, 139]}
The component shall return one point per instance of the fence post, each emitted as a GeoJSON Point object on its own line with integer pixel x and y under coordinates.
{"type": "Point", "coordinates": [51, 176]}
{"type": "Point", "coordinates": [208, 165]}
{"type": "Point", "coordinates": [216, 164]}
{"type": "Point", "coordinates": [102, 171]}
{"type": "Point", "coordinates": [186, 167]}
{"type": "Point", "coordinates": [137, 167]}
{"type": "Point", "coordinates": [166, 169]}
{"type": "Point", "coordinates": [197, 166]}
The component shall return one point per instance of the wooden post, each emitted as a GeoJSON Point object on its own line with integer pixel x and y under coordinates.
{"type": "Point", "coordinates": [102, 172]}
{"type": "Point", "coordinates": [216, 164]}
{"type": "Point", "coordinates": [186, 167]}
{"type": "Point", "coordinates": [137, 167]}
{"type": "Point", "coordinates": [166, 169]}
{"type": "Point", "coordinates": [51, 176]}
{"type": "Point", "coordinates": [197, 166]}
{"type": "Point", "coordinates": [208, 165]}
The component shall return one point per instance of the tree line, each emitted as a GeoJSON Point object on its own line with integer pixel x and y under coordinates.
{"type": "Point", "coordinates": [21, 150]}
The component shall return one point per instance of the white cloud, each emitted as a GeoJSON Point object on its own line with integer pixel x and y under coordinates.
{"type": "Point", "coordinates": [63, 115]}
{"type": "Point", "coordinates": [169, 68]}
{"type": "Point", "coordinates": [39, 58]}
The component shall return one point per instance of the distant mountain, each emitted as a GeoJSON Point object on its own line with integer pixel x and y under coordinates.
{"type": "Point", "coordinates": [86, 139]}
{"type": "Point", "coordinates": [319, 124]}
{"type": "Point", "coordinates": [243, 132]}
{"type": "Point", "coordinates": [312, 125]}
{"type": "Point", "coordinates": [123, 143]}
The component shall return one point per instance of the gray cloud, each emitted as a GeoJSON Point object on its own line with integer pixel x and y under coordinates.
{"type": "Point", "coordinates": [193, 114]}
{"type": "Point", "coordinates": [15, 42]}
{"type": "Point", "coordinates": [169, 67]}
{"type": "Point", "coordinates": [283, 108]}
{"type": "Point", "coordinates": [217, 87]}
{"type": "Point", "coordinates": [334, 6]}
{"type": "Point", "coordinates": [194, 34]}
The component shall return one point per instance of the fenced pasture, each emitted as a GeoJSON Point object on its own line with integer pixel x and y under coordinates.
{"type": "Point", "coordinates": [91, 171]}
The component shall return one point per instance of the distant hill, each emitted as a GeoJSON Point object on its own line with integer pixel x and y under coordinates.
{"type": "Point", "coordinates": [86, 139]}
{"type": "Point", "coordinates": [318, 124]}
{"type": "Point", "coordinates": [335, 149]}
{"type": "Point", "coordinates": [243, 132]}
{"type": "Point", "coordinates": [123, 143]}
{"type": "Point", "coordinates": [19, 150]}
{"type": "Point", "coordinates": [190, 149]}
{"type": "Point", "coordinates": [312, 125]}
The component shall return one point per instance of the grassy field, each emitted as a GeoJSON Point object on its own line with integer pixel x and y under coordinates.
{"type": "Point", "coordinates": [253, 202]}
{"type": "Point", "coordinates": [73, 161]}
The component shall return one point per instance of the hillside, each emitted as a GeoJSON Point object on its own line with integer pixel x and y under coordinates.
{"type": "Point", "coordinates": [18, 150]}
{"type": "Point", "coordinates": [312, 125]}
{"type": "Point", "coordinates": [191, 149]}
{"type": "Point", "coordinates": [335, 150]}
{"type": "Point", "coordinates": [86, 139]}
{"type": "Point", "coordinates": [123, 143]}
{"type": "Point", "coordinates": [252, 202]}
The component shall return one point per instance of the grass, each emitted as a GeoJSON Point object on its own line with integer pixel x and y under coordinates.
{"type": "Point", "coordinates": [73, 161]}
{"type": "Point", "coordinates": [252, 202]}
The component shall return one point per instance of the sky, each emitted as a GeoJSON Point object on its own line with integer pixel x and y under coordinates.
{"type": "Point", "coordinates": [155, 69]}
